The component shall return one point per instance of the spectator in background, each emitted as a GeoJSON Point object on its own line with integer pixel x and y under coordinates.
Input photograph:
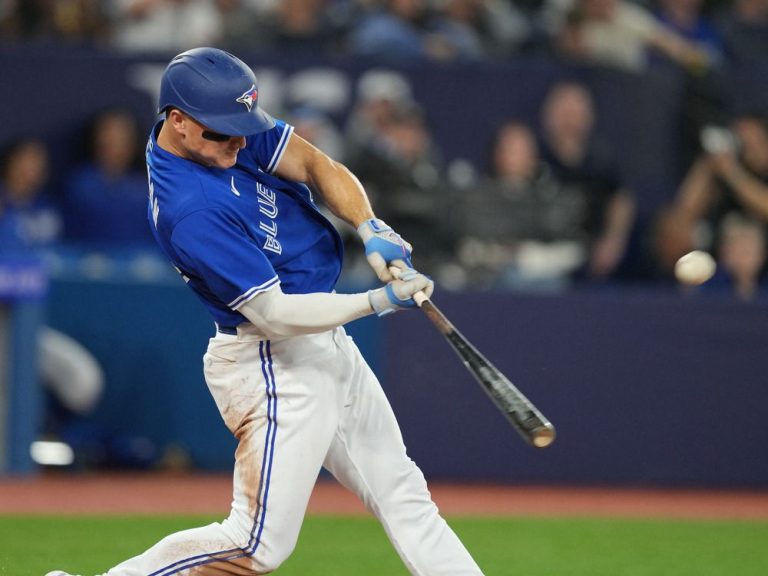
{"type": "Point", "coordinates": [686, 19]}
{"type": "Point", "coordinates": [704, 92]}
{"type": "Point", "coordinates": [301, 27]}
{"type": "Point", "coordinates": [287, 27]}
{"type": "Point", "coordinates": [241, 24]}
{"type": "Point", "coordinates": [402, 171]}
{"type": "Point", "coordinates": [519, 228]}
{"type": "Point", "coordinates": [31, 220]}
{"type": "Point", "coordinates": [380, 93]}
{"type": "Point", "coordinates": [619, 33]}
{"type": "Point", "coordinates": [24, 20]}
{"type": "Point", "coordinates": [625, 35]}
{"type": "Point", "coordinates": [480, 29]}
{"type": "Point", "coordinates": [30, 224]}
{"type": "Point", "coordinates": [106, 198]}
{"type": "Point", "coordinates": [164, 25]}
{"type": "Point", "coordinates": [731, 175]}
{"type": "Point", "coordinates": [744, 28]}
{"type": "Point", "coordinates": [582, 161]}
{"type": "Point", "coordinates": [400, 30]}
{"type": "Point", "coordinates": [79, 21]}
{"type": "Point", "coordinates": [741, 256]}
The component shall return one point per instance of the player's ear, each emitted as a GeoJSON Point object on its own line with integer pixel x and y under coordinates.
{"type": "Point", "coordinates": [177, 119]}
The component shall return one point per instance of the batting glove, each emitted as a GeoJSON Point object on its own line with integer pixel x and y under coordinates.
{"type": "Point", "coordinates": [384, 247]}
{"type": "Point", "coordinates": [398, 294]}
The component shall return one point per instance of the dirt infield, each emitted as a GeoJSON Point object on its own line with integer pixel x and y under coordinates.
{"type": "Point", "coordinates": [210, 494]}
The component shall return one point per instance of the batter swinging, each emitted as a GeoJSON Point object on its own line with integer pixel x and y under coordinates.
{"type": "Point", "coordinates": [230, 204]}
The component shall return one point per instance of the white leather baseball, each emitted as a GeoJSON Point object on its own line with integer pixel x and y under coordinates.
{"type": "Point", "coordinates": [695, 268]}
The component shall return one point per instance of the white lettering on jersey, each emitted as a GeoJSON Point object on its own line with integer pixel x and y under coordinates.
{"type": "Point", "coordinates": [273, 245]}
{"type": "Point", "coordinates": [270, 229]}
{"type": "Point", "coordinates": [267, 201]}
{"type": "Point", "coordinates": [152, 198]}
{"type": "Point", "coordinates": [268, 206]}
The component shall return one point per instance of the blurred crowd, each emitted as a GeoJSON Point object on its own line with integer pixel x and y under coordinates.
{"type": "Point", "coordinates": [613, 31]}
{"type": "Point", "coordinates": [548, 209]}
{"type": "Point", "coordinates": [697, 33]}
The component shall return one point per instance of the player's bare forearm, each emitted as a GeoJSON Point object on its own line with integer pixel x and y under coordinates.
{"type": "Point", "coordinates": [343, 193]}
{"type": "Point", "coordinates": [339, 189]}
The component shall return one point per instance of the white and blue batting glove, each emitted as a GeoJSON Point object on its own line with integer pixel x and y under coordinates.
{"type": "Point", "coordinates": [383, 248]}
{"type": "Point", "coordinates": [399, 293]}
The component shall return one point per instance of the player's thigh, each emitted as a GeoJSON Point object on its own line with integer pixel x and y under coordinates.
{"type": "Point", "coordinates": [284, 415]}
{"type": "Point", "coordinates": [368, 446]}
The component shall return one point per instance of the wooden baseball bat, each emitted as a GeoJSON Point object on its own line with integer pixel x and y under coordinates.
{"type": "Point", "coordinates": [532, 425]}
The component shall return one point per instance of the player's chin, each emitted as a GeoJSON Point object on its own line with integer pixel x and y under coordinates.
{"type": "Point", "coordinates": [227, 160]}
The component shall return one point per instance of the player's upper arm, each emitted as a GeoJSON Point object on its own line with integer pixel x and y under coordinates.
{"type": "Point", "coordinates": [300, 161]}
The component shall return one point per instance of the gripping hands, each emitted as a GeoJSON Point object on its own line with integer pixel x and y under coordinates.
{"type": "Point", "coordinates": [384, 247]}
{"type": "Point", "coordinates": [398, 294]}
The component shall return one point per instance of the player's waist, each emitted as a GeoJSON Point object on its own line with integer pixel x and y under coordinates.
{"type": "Point", "coordinates": [247, 331]}
{"type": "Point", "coordinates": [298, 349]}
{"type": "Point", "coordinates": [242, 329]}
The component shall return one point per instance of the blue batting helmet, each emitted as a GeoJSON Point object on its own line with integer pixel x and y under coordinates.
{"type": "Point", "coordinates": [217, 89]}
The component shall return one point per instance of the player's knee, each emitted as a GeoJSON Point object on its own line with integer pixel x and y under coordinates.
{"type": "Point", "coordinates": [266, 559]}
{"type": "Point", "coordinates": [265, 551]}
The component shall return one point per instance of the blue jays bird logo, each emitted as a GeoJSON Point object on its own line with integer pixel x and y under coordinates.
{"type": "Point", "coordinates": [249, 97]}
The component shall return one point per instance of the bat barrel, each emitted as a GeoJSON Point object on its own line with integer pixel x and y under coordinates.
{"type": "Point", "coordinates": [532, 425]}
{"type": "Point", "coordinates": [543, 436]}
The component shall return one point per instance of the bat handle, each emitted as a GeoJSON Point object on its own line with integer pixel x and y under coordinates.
{"type": "Point", "coordinates": [419, 297]}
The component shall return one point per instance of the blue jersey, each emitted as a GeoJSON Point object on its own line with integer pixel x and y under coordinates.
{"type": "Point", "coordinates": [234, 233]}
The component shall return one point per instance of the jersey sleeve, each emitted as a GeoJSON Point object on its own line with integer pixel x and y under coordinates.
{"type": "Point", "coordinates": [266, 148]}
{"type": "Point", "coordinates": [221, 254]}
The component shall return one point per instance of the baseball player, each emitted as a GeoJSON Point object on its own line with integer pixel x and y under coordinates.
{"type": "Point", "coordinates": [231, 205]}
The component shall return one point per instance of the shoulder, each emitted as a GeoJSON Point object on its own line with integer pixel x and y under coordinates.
{"type": "Point", "coordinates": [266, 148]}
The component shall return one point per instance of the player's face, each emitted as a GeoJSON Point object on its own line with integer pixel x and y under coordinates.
{"type": "Point", "coordinates": [210, 148]}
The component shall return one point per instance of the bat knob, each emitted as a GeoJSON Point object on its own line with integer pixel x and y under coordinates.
{"type": "Point", "coordinates": [544, 436]}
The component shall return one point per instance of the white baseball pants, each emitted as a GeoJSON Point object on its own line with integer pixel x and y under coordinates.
{"type": "Point", "coordinates": [295, 405]}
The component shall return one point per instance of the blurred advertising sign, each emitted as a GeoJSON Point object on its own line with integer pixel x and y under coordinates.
{"type": "Point", "coordinates": [22, 279]}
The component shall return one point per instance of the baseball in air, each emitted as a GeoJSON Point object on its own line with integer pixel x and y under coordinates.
{"type": "Point", "coordinates": [695, 268]}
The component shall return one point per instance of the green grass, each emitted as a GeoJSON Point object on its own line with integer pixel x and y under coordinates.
{"type": "Point", "coordinates": [329, 546]}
